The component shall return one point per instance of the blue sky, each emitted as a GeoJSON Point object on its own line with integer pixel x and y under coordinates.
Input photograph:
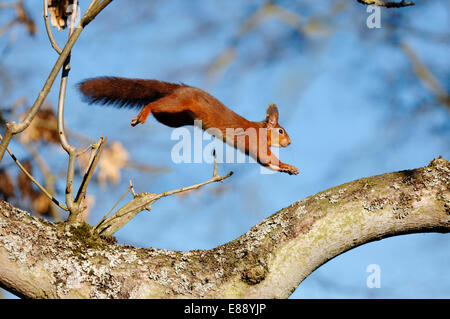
{"type": "Point", "coordinates": [348, 100]}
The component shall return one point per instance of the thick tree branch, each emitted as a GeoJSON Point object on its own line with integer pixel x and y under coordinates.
{"type": "Point", "coordinates": [41, 259]}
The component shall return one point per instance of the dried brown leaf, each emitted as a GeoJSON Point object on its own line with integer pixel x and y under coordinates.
{"type": "Point", "coordinates": [41, 204]}
{"type": "Point", "coordinates": [24, 182]}
{"type": "Point", "coordinates": [89, 201]}
{"type": "Point", "coordinates": [59, 12]}
{"type": "Point", "coordinates": [6, 185]}
{"type": "Point", "coordinates": [113, 159]}
{"type": "Point", "coordinates": [24, 18]}
{"type": "Point", "coordinates": [42, 128]}
{"type": "Point", "coordinates": [83, 159]}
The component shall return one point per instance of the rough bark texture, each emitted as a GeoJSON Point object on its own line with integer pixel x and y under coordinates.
{"type": "Point", "coordinates": [39, 259]}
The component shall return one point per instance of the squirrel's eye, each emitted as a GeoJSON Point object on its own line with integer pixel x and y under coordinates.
{"type": "Point", "coordinates": [280, 131]}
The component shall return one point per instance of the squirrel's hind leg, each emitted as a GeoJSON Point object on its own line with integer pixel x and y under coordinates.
{"type": "Point", "coordinates": [142, 116]}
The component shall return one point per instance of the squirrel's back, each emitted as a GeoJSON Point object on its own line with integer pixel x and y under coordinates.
{"type": "Point", "coordinates": [172, 104]}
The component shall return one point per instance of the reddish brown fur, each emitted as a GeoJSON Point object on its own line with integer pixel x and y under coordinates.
{"type": "Point", "coordinates": [125, 92]}
{"type": "Point", "coordinates": [177, 105]}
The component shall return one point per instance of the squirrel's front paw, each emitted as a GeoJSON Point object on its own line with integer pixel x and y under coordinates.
{"type": "Point", "coordinates": [286, 168]}
{"type": "Point", "coordinates": [135, 121]}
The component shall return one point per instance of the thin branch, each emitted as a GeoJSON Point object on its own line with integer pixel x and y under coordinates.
{"type": "Point", "coordinates": [13, 128]}
{"type": "Point", "coordinates": [424, 74]}
{"type": "Point", "coordinates": [49, 29]}
{"type": "Point", "coordinates": [214, 178]}
{"type": "Point", "coordinates": [95, 156]}
{"type": "Point", "coordinates": [269, 9]}
{"type": "Point", "coordinates": [84, 150]}
{"type": "Point", "coordinates": [42, 188]}
{"type": "Point", "coordinates": [94, 147]}
{"type": "Point", "coordinates": [224, 59]}
{"type": "Point", "coordinates": [215, 164]}
{"type": "Point", "coordinates": [195, 186]}
{"type": "Point", "coordinates": [130, 188]}
{"type": "Point", "coordinates": [73, 16]}
{"type": "Point", "coordinates": [17, 104]}
{"type": "Point", "coordinates": [71, 150]}
{"type": "Point", "coordinates": [153, 169]}
{"type": "Point", "coordinates": [387, 4]}
{"type": "Point", "coordinates": [75, 205]}
{"type": "Point", "coordinates": [143, 201]}
{"type": "Point", "coordinates": [7, 26]}
{"type": "Point", "coordinates": [62, 135]}
{"type": "Point", "coordinates": [92, 4]}
{"type": "Point", "coordinates": [93, 10]}
{"type": "Point", "coordinates": [97, 148]}
{"type": "Point", "coordinates": [49, 179]}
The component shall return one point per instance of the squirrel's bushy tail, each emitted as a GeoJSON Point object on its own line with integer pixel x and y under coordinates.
{"type": "Point", "coordinates": [123, 92]}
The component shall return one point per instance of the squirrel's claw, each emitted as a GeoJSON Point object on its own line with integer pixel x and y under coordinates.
{"type": "Point", "coordinates": [135, 121]}
{"type": "Point", "coordinates": [286, 168]}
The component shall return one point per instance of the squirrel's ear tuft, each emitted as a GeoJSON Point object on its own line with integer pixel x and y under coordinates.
{"type": "Point", "coordinates": [272, 115]}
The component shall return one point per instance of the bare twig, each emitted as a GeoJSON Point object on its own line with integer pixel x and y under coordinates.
{"type": "Point", "coordinates": [49, 30]}
{"type": "Point", "coordinates": [75, 205]}
{"type": "Point", "coordinates": [215, 164]}
{"type": "Point", "coordinates": [143, 201]}
{"type": "Point", "coordinates": [76, 214]}
{"type": "Point", "coordinates": [195, 186]}
{"type": "Point", "coordinates": [387, 4]}
{"type": "Point", "coordinates": [87, 140]}
{"type": "Point", "coordinates": [269, 9]}
{"type": "Point", "coordinates": [95, 156]}
{"type": "Point", "coordinates": [426, 77]}
{"type": "Point", "coordinates": [13, 128]}
{"type": "Point", "coordinates": [84, 150]}
{"type": "Point", "coordinates": [92, 4]}
{"type": "Point", "coordinates": [42, 188]}
{"type": "Point", "coordinates": [62, 135]}
{"type": "Point", "coordinates": [71, 150]}
{"type": "Point", "coordinates": [22, 17]}
{"type": "Point", "coordinates": [49, 179]}
{"type": "Point", "coordinates": [7, 26]}
{"type": "Point", "coordinates": [73, 17]}
{"type": "Point", "coordinates": [214, 178]}
{"type": "Point", "coordinates": [224, 59]}
{"type": "Point", "coordinates": [130, 188]}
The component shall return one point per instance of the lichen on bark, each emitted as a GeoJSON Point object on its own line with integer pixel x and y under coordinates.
{"type": "Point", "coordinates": [40, 259]}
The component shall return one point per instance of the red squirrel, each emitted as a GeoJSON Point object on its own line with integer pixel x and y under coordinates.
{"type": "Point", "coordinates": [177, 105]}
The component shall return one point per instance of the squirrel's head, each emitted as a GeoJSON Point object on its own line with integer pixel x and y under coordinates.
{"type": "Point", "coordinates": [276, 135]}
